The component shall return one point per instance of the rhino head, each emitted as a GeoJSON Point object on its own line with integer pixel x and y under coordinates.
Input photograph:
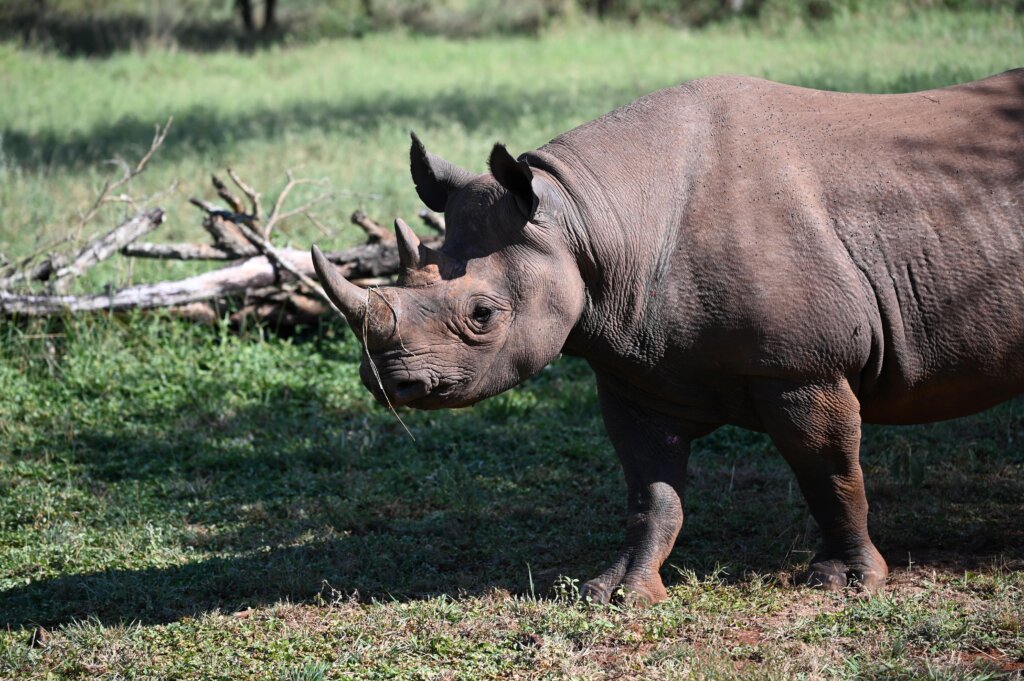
{"type": "Point", "coordinates": [489, 309]}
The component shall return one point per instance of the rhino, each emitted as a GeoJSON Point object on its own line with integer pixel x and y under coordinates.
{"type": "Point", "coordinates": [727, 251]}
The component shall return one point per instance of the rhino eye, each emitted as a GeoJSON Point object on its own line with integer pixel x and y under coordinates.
{"type": "Point", "coordinates": [482, 313]}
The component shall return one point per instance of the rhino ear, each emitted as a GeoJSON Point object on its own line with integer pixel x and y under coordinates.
{"type": "Point", "coordinates": [434, 177]}
{"type": "Point", "coordinates": [516, 177]}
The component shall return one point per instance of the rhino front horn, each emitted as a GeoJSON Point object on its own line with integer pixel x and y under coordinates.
{"type": "Point", "coordinates": [408, 245]}
{"type": "Point", "coordinates": [349, 298]}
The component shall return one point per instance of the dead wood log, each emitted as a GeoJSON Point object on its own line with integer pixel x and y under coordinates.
{"type": "Point", "coordinates": [251, 273]}
{"type": "Point", "coordinates": [61, 267]}
{"type": "Point", "coordinates": [269, 283]}
{"type": "Point", "coordinates": [223, 227]}
{"type": "Point", "coordinates": [228, 197]}
{"type": "Point", "coordinates": [177, 252]}
{"type": "Point", "coordinates": [254, 278]}
{"type": "Point", "coordinates": [102, 247]}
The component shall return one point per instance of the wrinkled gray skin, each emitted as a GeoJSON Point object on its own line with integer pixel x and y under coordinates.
{"type": "Point", "coordinates": [729, 251]}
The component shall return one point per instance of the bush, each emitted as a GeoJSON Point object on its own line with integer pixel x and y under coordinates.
{"type": "Point", "coordinates": [699, 12]}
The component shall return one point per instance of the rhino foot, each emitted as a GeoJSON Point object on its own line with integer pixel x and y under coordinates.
{"type": "Point", "coordinates": [630, 591]}
{"type": "Point", "coordinates": [596, 591]}
{"type": "Point", "coordinates": [829, 575]}
{"type": "Point", "coordinates": [866, 569]}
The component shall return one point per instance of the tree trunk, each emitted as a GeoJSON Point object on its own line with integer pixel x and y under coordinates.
{"type": "Point", "coordinates": [269, 16]}
{"type": "Point", "coordinates": [245, 9]}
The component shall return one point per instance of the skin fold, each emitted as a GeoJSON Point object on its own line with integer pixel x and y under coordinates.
{"type": "Point", "coordinates": [728, 251]}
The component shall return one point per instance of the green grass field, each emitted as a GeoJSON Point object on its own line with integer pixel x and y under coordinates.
{"type": "Point", "coordinates": [184, 502]}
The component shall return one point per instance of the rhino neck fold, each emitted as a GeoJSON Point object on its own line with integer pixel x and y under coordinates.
{"type": "Point", "coordinates": [574, 219]}
{"type": "Point", "coordinates": [609, 226]}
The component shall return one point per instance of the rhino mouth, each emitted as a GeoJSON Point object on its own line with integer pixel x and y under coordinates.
{"type": "Point", "coordinates": [397, 385]}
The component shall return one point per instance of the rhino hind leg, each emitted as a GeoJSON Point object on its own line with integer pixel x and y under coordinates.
{"type": "Point", "coordinates": [654, 453]}
{"type": "Point", "coordinates": [817, 429]}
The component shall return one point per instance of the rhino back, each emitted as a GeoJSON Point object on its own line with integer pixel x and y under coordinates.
{"type": "Point", "coordinates": [742, 227]}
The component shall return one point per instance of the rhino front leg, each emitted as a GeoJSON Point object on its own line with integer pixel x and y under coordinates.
{"type": "Point", "coordinates": [654, 454]}
{"type": "Point", "coordinates": [817, 429]}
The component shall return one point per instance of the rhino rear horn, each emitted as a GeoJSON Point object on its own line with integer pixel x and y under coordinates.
{"type": "Point", "coordinates": [434, 177]}
{"type": "Point", "coordinates": [408, 245]}
{"type": "Point", "coordinates": [516, 177]}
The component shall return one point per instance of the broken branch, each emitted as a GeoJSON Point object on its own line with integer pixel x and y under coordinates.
{"type": "Point", "coordinates": [432, 220]}
{"type": "Point", "coordinates": [127, 175]}
{"type": "Point", "coordinates": [222, 190]}
{"type": "Point", "coordinates": [102, 247]}
{"type": "Point", "coordinates": [178, 252]}
{"type": "Point", "coordinates": [276, 216]}
{"type": "Point", "coordinates": [374, 231]}
{"type": "Point", "coordinates": [250, 193]}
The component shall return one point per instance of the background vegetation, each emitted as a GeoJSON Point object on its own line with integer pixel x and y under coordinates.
{"type": "Point", "coordinates": [91, 27]}
{"type": "Point", "coordinates": [182, 502]}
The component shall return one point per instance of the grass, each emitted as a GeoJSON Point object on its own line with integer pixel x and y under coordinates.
{"type": "Point", "coordinates": [183, 502]}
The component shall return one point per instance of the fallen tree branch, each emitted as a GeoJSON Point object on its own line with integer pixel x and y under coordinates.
{"type": "Point", "coordinates": [277, 216]}
{"type": "Point", "coordinates": [269, 282]}
{"type": "Point", "coordinates": [60, 267]}
{"type": "Point", "coordinates": [374, 231]}
{"type": "Point", "coordinates": [368, 261]}
{"type": "Point", "coordinates": [129, 173]}
{"type": "Point", "coordinates": [223, 227]}
{"type": "Point", "coordinates": [225, 194]}
{"type": "Point", "coordinates": [177, 252]}
{"type": "Point", "coordinates": [41, 271]}
{"type": "Point", "coordinates": [284, 262]}
{"type": "Point", "coordinates": [250, 193]}
{"type": "Point", "coordinates": [252, 273]}
{"type": "Point", "coordinates": [102, 247]}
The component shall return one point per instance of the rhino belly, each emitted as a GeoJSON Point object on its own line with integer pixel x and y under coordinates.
{"type": "Point", "coordinates": [953, 336]}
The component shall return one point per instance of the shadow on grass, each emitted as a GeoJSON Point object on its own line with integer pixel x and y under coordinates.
{"type": "Point", "coordinates": [203, 129]}
{"type": "Point", "coordinates": [292, 500]}
{"type": "Point", "coordinates": [483, 500]}
{"type": "Point", "coordinates": [403, 560]}
{"type": "Point", "coordinates": [200, 130]}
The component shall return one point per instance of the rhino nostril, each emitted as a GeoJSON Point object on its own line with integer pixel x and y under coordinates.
{"type": "Point", "coordinates": [407, 391]}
